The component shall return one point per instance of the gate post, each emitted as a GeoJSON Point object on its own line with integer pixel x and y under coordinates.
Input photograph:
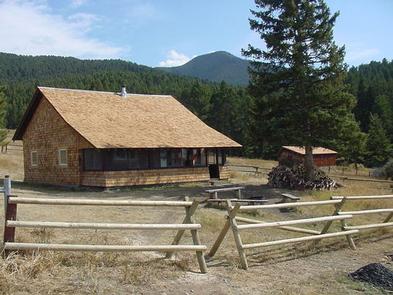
{"type": "Point", "coordinates": [9, 214]}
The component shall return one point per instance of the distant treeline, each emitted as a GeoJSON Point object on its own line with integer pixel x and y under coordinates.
{"type": "Point", "coordinates": [222, 106]}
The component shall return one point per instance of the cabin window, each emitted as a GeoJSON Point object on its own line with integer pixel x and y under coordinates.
{"type": "Point", "coordinates": [175, 158]}
{"type": "Point", "coordinates": [93, 160]}
{"type": "Point", "coordinates": [34, 159]}
{"type": "Point", "coordinates": [221, 157]}
{"type": "Point", "coordinates": [154, 161]}
{"type": "Point", "coordinates": [134, 159]}
{"type": "Point", "coordinates": [199, 157]}
{"type": "Point", "coordinates": [117, 160]}
{"type": "Point", "coordinates": [163, 158]}
{"type": "Point", "coordinates": [211, 157]}
{"type": "Point", "coordinates": [63, 161]}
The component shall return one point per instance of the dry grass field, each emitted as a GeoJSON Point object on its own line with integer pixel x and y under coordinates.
{"type": "Point", "coordinates": [290, 269]}
{"type": "Point", "coordinates": [12, 161]}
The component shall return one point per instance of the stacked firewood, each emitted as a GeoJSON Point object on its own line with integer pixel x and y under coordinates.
{"type": "Point", "coordinates": [295, 178]}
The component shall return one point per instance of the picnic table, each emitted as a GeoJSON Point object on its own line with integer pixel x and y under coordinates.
{"type": "Point", "coordinates": [213, 193]}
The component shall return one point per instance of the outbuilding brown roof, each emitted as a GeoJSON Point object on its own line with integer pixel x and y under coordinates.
{"type": "Point", "coordinates": [108, 120]}
{"type": "Point", "coordinates": [315, 150]}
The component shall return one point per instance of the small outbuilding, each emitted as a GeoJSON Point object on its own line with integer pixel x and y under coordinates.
{"type": "Point", "coordinates": [295, 154]}
{"type": "Point", "coordinates": [106, 139]}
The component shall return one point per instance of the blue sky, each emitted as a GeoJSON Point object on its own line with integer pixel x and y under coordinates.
{"type": "Point", "coordinates": [170, 32]}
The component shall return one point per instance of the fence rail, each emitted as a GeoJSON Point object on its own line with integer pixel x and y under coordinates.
{"type": "Point", "coordinates": [287, 205]}
{"type": "Point", "coordinates": [384, 223]}
{"type": "Point", "coordinates": [48, 224]}
{"type": "Point", "coordinates": [255, 169]}
{"type": "Point", "coordinates": [10, 224]}
{"type": "Point", "coordinates": [252, 224]}
{"type": "Point", "coordinates": [50, 201]}
{"type": "Point", "coordinates": [111, 248]}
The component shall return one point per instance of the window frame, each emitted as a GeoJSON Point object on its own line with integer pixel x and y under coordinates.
{"type": "Point", "coordinates": [59, 157]}
{"type": "Point", "coordinates": [157, 158]}
{"type": "Point", "coordinates": [36, 158]}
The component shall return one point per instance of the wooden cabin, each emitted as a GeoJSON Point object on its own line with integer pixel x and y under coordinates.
{"type": "Point", "coordinates": [294, 154]}
{"type": "Point", "coordinates": [106, 139]}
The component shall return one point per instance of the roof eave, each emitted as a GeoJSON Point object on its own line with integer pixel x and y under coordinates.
{"type": "Point", "coordinates": [20, 130]}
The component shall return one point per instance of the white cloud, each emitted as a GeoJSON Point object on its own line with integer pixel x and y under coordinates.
{"type": "Point", "coordinates": [82, 21]}
{"type": "Point", "coordinates": [77, 3]}
{"type": "Point", "coordinates": [29, 27]}
{"type": "Point", "coordinates": [174, 59]}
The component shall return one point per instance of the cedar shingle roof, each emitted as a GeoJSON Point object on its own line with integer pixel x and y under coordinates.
{"type": "Point", "coordinates": [108, 120]}
{"type": "Point", "coordinates": [315, 150]}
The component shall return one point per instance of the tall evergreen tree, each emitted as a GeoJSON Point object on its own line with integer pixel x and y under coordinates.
{"type": "Point", "coordinates": [300, 90]}
{"type": "Point", "coordinates": [3, 131]}
{"type": "Point", "coordinates": [378, 145]}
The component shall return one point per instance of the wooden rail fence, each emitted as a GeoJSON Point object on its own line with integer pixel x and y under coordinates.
{"type": "Point", "coordinates": [347, 199]}
{"type": "Point", "coordinates": [11, 223]}
{"type": "Point", "coordinates": [254, 169]}
{"type": "Point", "coordinates": [237, 224]}
{"type": "Point", "coordinates": [233, 219]}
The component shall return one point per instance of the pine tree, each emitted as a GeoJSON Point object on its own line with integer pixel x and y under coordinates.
{"type": "Point", "coordinates": [383, 107]}
{"type": "Point", "coordinates": [298, 80]}
{"type": "Point", "coordinates": [3, 131]}
{"type": "Point", "coordinates": [378, 145]}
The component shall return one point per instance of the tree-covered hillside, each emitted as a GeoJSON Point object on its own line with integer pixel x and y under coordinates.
{"type": "Point", "coordinates": [20, 67]}
{"type": "Point", "coordinates": [21, 74]}
{"type": "Point", "coordinates": [372, 84]}
{"type": "Point", "coordinates": [224, 107]}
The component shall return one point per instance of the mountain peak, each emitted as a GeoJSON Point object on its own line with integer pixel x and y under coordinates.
{"type": "Point", "coordinates": [215, 66]}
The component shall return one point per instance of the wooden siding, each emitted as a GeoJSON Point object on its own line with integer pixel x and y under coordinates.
{"type": "Point", "coordinates": [46, 133]}
{"type": "Point", "coordinates": [148, 177]}
{"type": "Point", "coordinates": [319, 160]}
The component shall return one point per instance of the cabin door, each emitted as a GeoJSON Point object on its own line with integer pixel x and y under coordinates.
{"type": "Point", "coordinates": [212, 162]}
{"type": "Point", "coordinates": [214, 171]}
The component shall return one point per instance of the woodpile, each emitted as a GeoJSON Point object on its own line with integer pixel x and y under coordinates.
{"type": "Point", "coordinates": [295, 178]}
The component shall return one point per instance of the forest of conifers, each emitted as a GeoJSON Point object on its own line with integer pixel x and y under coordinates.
{"type": "Point", "coordinates": [224, 107]}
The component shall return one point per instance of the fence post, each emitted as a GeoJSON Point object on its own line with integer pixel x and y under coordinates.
{"type": "Point", "coordinates": [325, 229]}
{"type": "Point", "coordinates": [344, 224]}
{"type": "Point", "coordinates": [180, 233]}
{"type": "Point", "coordinates": [220, 239]}
{"type": "Point", "coordinates": [9, 213]}
{"type": "Point", "coordinates": [195, 236]}
{"type": "Point", "coordinates": [232, 211]}
{"type": "Point", "coordinates": [7, 191]}
{"type": "Point", "coordinates": [387, 219]}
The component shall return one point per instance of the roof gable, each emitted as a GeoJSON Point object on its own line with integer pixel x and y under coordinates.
{"type": "Point", "coordinates": [315, 150]}
{"type": "Point", "coordinates": [107, 120]}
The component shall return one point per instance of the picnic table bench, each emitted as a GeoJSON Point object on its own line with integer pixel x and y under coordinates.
{"type": "Point", "coordinates": [248, 201]}
{"type": "Point", "coordinates": [213, 193]}
{"type": "Point", "coordinates": [286, 198]}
